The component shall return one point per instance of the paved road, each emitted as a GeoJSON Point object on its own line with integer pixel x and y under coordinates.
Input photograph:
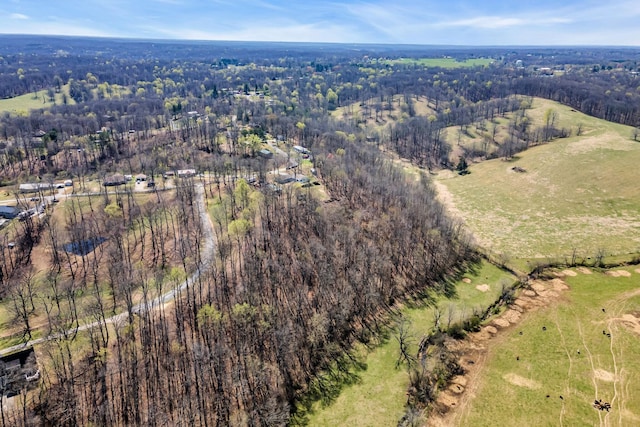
{"type": "Point", "coordinates": [207, 259]}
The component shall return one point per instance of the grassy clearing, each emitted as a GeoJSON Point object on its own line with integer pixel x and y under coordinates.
{"type": "Point", "coordinates": [442, 62]}
{"type": "Point", "coordinates": [578, 192]}
{"type": "Point", "coordinates": [514, 392]}
{"type": "Point", "coordinates": [33, 101]}
{"type": "Point", "coordinates": [378, 398]}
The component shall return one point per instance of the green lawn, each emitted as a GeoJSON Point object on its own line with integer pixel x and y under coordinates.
{"type": "Point", "coordinates": [572, 359]}
{"type": "Point", "coordinates": [32, 101]}
{"type": "Point", "coordinates": [378, 399]}
{"type": "Point", "coordinates": [579, 192]}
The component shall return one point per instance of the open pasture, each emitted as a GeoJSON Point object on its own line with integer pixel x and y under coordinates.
{"type": "Point", "coordinates": [34, 100]}
{"type": "Point", "coordinates": [442, 62]}
{"type": "Point", "coordinates": [577, 193]}
{"type": "Point", "coordinates": [550, 368]}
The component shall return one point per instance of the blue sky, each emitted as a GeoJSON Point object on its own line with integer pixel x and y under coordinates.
{"type": "Point", "coordinates": [459, 22]}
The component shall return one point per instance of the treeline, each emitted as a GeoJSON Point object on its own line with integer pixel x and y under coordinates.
{"type": "Point", "coordinates": [607, 94]}
{"type": "Point", "coordinates": [421, 139]}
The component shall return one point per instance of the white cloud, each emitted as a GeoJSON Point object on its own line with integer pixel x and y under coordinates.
{"type": "Point", "coordinates": [484, 22]}
{"type": "Point", "coordinates": [292, 32]}
{"type": "Point", "coordinates": [18, 16]}
{"type": "Point", "coordinates": [495, 22]}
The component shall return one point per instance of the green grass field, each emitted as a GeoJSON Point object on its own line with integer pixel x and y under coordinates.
{"type": "Point", "coordinates": [378, 399]}
{"type": "Point", "coordinates": [572, 359]}
{"type": "Point", "coordinates": [578, 192]}
{"type": "Point", "coordinates": [32, 101]}
{"type": "Point", "coordinates": [442, 62]}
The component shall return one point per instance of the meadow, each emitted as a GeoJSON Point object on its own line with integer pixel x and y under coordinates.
{"type": "Point", "coordinates": [32, 101]}
{"type": "Point", "coordinates": [573, 194]}
{"type": "Point", "coordinates": [442, 62]}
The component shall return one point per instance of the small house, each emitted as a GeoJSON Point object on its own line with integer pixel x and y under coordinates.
{"type": "Point", "coordinates": [300, 149]}
{"type": "Point", "coordinates": [265, 154]}
{"type": "Point", "coordinates": [284, 179]}
{"type": "Point", "coordinates": [35, 187]}
{"type": "Point", "coordinates": [114, 180]}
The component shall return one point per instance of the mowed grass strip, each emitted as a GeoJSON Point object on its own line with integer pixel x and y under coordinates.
{"type": "Point", "coordinates": [538, 377]}
{"type": "Point", "coordinates": [379, 397]}
{"type": "Point", "coordinates": [578, 192]}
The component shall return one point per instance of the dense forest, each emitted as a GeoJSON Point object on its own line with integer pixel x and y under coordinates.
{"type": "Point", "coordinates": [274, 283]}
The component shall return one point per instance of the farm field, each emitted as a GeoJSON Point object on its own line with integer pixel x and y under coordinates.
{"type": "Point", "coordinates": [442, 62]}
{"type": "Point", "coordinates": [550, 367]}
{"type": "Point", "coordinates": [379, 396]}
{"type": "Point", "coordinates": [32, 101]}
{"type": "Point", "coordinates": [576, 193]}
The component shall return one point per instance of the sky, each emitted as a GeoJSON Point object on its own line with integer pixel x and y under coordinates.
{"type": "Point", "coordinates": [449, 22]}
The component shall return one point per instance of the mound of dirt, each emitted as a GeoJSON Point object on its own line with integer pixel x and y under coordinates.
{"type": "Point", "coordinates": [491, 329]}
{"type": "Point", "coordinates": [618, 273]}
{"type": "Point", "coordinates": [483, 288]}
{"type": "Point", "coordinates": [460, 379]}
{"type": "Point", "coordinates": [538, 286]}
{"type": "Point", "coordinates": [456, 389]}
{"type": "Point", "coordinates": [519, 381]}
{"type": "Point", "coordinates": [511, 316]}
{"type": "Point", "coordinates": [570, 273]}
{"type": "Point", "coordinates": [466, 280]}
{"type": "Point", "coordinates": [584, 270]}
{"type": "Point", "coordinates": [501, 323]}
{"type": "Point", "coordinates": [559, 285]}
{"type": "Point", "coordinates": [631, 322]}
{"type": "Point", "coordinates": [602, 375]}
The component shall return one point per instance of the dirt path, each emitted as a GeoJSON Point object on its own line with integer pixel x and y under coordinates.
{"type": "Point", "coordinates": [595, 375]}
{"type": "Point", "coordinates": [207, 259]}
{"type": "Point", "coordinates": [568, 378]}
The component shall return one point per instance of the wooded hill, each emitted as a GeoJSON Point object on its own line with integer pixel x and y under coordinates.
{"type": "Point", "coordinates": [298, 274]}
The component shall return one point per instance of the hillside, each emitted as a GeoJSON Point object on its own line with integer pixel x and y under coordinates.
{"type": "Point", "coordinates": [576, 193]}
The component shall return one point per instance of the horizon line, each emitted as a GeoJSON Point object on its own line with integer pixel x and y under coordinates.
{"type": "Point", "coordinates": [169, 40]}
